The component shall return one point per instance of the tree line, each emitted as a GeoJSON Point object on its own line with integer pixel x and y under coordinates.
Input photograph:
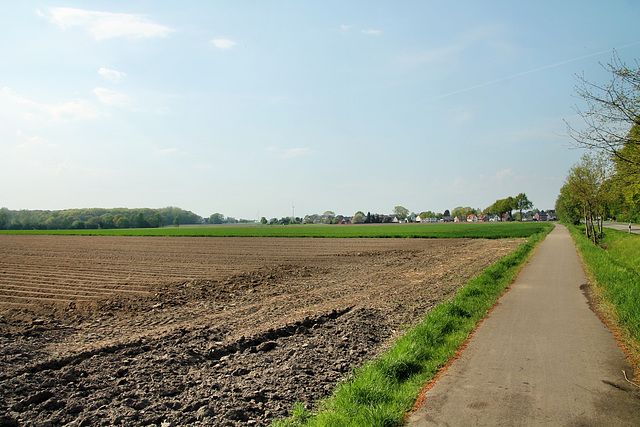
{"type": "Point", "coordinates": [605, 183]}
{"type": "Point", "coordinates": [218, 218]}
{"type": "Point", "coordinates": [95, 218]}
{"type": "Point", "coordinates": [500, 207]}
{"type": "Point", "coordinates": [519, 203]}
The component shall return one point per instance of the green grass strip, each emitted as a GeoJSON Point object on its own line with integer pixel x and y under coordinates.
{"type": "Point", "coordinates": [383, 390]}
{"type": "Point", "coordinates": [436, 231]}
{"type": "Point", "coordinates": [616, 272]}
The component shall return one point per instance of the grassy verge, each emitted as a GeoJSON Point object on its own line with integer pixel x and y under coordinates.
{"type": "Point", "coordinates": [614, 269]}
{"type": "Point", "coordinates": [383, 390]}
{"type": "Point", "coordinates": [437, 231]}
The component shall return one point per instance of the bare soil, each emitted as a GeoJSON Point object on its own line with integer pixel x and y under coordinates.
{"type": "Point", "coordinates": [139, 331]}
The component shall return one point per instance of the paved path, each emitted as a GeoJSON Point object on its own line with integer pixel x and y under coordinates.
{"type": "Point", "coordinates": [542, 357]}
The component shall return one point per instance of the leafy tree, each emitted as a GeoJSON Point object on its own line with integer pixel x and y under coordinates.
{"type": "Point", "coordinates": [428, 214]}
{"type": "Point", "coordinates": [4, 219]}
{"type": "Point", "coordinates": [176, 221]}
{"type": "Point", "coordinates": [501, 206]}
{"type": "Point", "coordinates": [358, 218]}
{"type": "Point", "coordinates": [522, 203]}
{"type": "Point", "coordinates": [509, 204]}
{"type": "Point", "coordinates": [568, 207]}
{"type": "Point", "coordinates": [107, 220]}
{"type": "Point", "coordinates": [94, 222]}
{"type": "Point", "coordinates": [585, 184]}
{"type": "Point", "coordinates": [328, 217]}
{"type": "Point", "coordinates": [464, 211]}
{"type": "Point", "coordinates": [65, 223]}
{"type": "Point", "coordinates": [140, 221]}
{"type": "Point", "coordinates": [158, 220]}
{"type": "Point", "coordinates": [624, 188]}
{"type": "Point", "coordinates": [263, 221]}
{"type": "Point", "coordinates": [506, 206]}
{"type": "Point", "coordinates": [401, 212]}
{"type": "Point", "coordinates": [122, 222]}
{"type": "Point", "coordinates": [216, 218]}
{"type": "Point", "coordinates": [53, 223]}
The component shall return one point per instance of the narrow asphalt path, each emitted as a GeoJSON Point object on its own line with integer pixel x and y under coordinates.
{"type": "Point", "coordinates": [542, 357]}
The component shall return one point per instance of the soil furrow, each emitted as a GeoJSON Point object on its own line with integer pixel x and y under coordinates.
{"type": "Point", "coordinates": [62, 286]}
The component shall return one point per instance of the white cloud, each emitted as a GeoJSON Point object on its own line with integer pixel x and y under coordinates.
{"type": "Point", "coordinates": [106, 25]}
{"type": "Point", "coordinates": [290, 153]}
{"type": "Point", "coordinates": [67, 167]}
{"type": "Point", "coordinates": [345, 27]}
{"type": "Point", "coordinates": [166, 151]}
{"type": "Point", "coordinates": [111, 98]}
{"type": "Point", "coordinates": [223, 43]}
{"type": "Point", "coordinates": [112, 75]}
{"type": "Point", "coordinates": [371, 32]}
{"type": "Point", "coordinates": [65, 112]}
{"type": "Point", "coordinates": [203, 166]}
{"type": "Point", "coordinates": [71, 111]}
{"type": "Point", "coordinates": [33, 141]}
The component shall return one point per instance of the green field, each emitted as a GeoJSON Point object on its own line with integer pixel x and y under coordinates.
{"type": "Point", "coordinates": [436, 231]}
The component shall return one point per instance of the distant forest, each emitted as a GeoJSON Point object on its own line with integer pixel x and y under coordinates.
{"type": "Point", "coordinates": [95, 218]}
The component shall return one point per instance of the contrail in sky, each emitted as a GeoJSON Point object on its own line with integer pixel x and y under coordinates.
{"type": "Point", "coordinates": [535, 70]}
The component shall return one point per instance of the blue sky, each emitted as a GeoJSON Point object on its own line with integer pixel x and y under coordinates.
{"type": "Point", "coordinates": [251, 107]}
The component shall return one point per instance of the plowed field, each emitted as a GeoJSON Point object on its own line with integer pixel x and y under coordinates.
{"type": "Point", "coordinates": [206, 331]}
{"type": "Point", "coordinates": [80, 269]}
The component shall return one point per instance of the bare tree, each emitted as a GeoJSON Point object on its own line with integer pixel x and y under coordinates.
{"type": "Point", "coordinates": [611, 110]}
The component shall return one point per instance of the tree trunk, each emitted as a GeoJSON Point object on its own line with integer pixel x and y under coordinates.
{"type": "Point", "coordinates": [601, 222]}
{"type": "Point", "coordinates": [586, 221]}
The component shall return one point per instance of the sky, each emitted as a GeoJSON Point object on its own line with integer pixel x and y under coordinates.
{"type": "Point", "coordinates": [273, 108]}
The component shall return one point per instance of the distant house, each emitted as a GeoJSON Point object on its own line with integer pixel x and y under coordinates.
{"type": "Point", "coordinates": [494, 218]}
{"type": "Point", "coordinates": [541, 216]}
{"type": "Point", "coordinates": [483, 218]}
{"type": "Point", "coordinates": [506, 217]}
{"type": "Point", "coordinates": [552, 216]}
{"type": "Point", "coordinates": [426, 220]}
{"type": "Point", "coordinates": [472, 218]}
{"type": "Point", "coordinates": [459, 218]}
{"type": "Point", "coordinates": [527, 217]}
{"type": "Point", "coordinates": [446, 219]}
